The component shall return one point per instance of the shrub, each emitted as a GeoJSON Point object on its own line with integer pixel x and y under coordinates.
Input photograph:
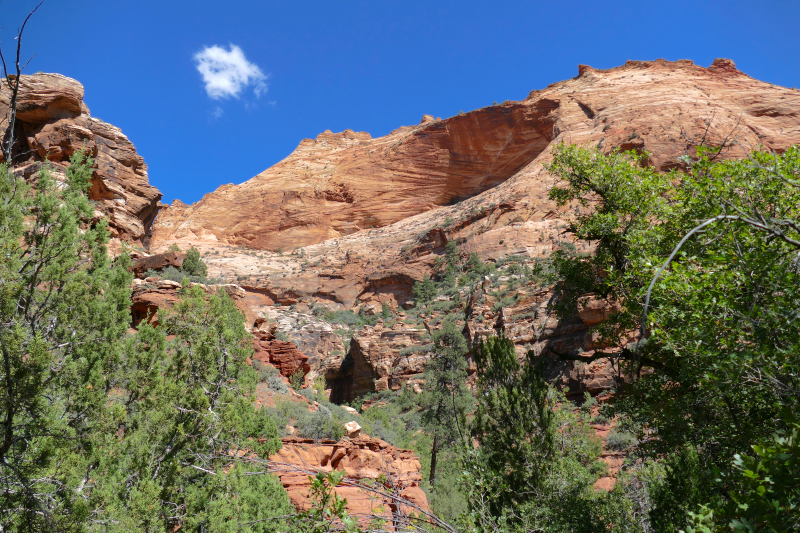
{"type": "Point", "coordinates": [424, 290]}
{"type": "Point", "coordinates": [589, 401]}
{"type": "Point", "coordinates": [274, 382]}
{"type": "Point", "coordinates": [601, 419]}
{"type": "Point", "coordinates": [620, 440]}
{"type": "Point", "coordinates": [297, 379]}
{"type": "Point", "coordinates": [193, 265]}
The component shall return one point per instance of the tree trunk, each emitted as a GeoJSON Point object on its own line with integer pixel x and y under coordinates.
{"type": "Point", "coordinates": [434, 451]}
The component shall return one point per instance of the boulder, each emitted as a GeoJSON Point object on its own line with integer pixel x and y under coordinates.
{"type": "Point", "coordinates": [157, 262]}
{"type": "Point", "coordinates": [352, 429]}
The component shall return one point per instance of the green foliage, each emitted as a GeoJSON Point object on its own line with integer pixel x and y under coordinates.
{"type": "Point", "coordinates": [513, 423]}
{"type": "Point", "coordinates": [327, 511]}
{"type": "Point", "coordinates": [445, 399]}
{"type": "Point", "coordinates": [767, 493]}
{"type": "Point", "coordinates": [106, 431]}
{"type": "Point", "coordinates": [535, 465]}
{"type": "Point", "coordinates": [722, 337]}
{"type": "Point", "coordinates": [193, 265]}
{"type": "Point", "coordinates": [620, 440]}
{"type": "Point", "coordinates": [63, 313]}
{"type": "Point", "coordinates": [424, 291]}
{"type": "Point", "coordinates": [349, 318]}
{"type": "Point", "coordinates": [297, 379]}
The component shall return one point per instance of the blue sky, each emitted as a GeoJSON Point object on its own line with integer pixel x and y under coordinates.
{"type": "Point", "coordinates": [305, 67]}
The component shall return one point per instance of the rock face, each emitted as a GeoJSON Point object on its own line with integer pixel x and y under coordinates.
{"type": "Point", "coordinates": [283, 355]}
{"type": "Point", "coordinates": [372, 214]}
{"type": "Point", "coordinates": [379, 359]}
{"type": "Point", "coordinates": [148, 298]}
{"type": "Point", "coordinates": [382, 358]}
{"type": "Point", "coordinates": [157, 262]}
{"type": "Point", "coordinates": [361, 458]}
{"type": "Point", "coordinates": [53, 122]}
{"type": "Point", "coordinates": [338, 184]}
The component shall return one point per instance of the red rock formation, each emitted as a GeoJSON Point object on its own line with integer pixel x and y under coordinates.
{"type": "Point", "coordinates": [283, 355]}
{"type": "Point", "coordinates": [361, 459]}
{"type": "Point", "coordinates": [152, 294]}
{"type": "Point", "coordinates": [148, 298]}
{"type": "Point", "coordinates": [53, 122]}
{"type": "Point", "coordinates": [157, 262]}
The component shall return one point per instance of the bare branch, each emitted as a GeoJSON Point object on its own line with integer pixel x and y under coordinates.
{"type": "Point", "coordinates": [14, 87]}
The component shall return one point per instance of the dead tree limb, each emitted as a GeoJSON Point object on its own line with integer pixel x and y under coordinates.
{"type": "Point", "coordinates": [13, 86]}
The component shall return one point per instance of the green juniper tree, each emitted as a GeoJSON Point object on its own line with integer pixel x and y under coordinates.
{"type": "Point", "coordinates": [64, 309]}
{"type": "Point", "coordinates": [101, 430]}
{"type": "Point", "coordinates": [193, 265]}
{"type": "Point", "coordinates": [445, 399]}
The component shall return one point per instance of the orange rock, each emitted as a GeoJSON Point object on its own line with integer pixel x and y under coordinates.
{"type": "Point", "coordinates": [372, 214]}
{"type": "Point", "coordinates": [361, 459]}
{"type": "Point", "coordinates": [56, 123]}
{"type": "Point", "coordinates": [157, 262]}
{"type": "Point", "coordinates": [283, 355]}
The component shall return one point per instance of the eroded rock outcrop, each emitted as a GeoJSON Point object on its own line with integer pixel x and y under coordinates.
{"type": "Point", "coordinates": [283, 355]}
{"type": "Point", "coordinates": [53, 122]}
{"type": "Point", "coordinates": [151, 294]}
{"type": "Point", "coordinates": [157, 262]}
{"type": "Point", "coordinates": [379, 359]}
{"type": "Point", "coordinates": [360, 458]}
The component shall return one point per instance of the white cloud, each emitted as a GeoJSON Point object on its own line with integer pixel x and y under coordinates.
{"type": "Point", "coordinates": [217, 113]}
{"type": "Point", "coordinates": [227, 72]}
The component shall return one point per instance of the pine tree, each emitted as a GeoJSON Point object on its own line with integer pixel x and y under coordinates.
{"type": "Point", "coordinates": [193, 265]}
{"type": "Point", "coordinates": [445, 399]}
{"type": "Point", "coordinates": [513, 423]}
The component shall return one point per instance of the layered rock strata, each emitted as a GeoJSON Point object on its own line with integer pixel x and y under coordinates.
{"type": "Point", "coordinates": [53, 122]}
{"type": "Point", "coordinates": [372, 214]}
{"type": "Point", "coordinates": [361, 458]}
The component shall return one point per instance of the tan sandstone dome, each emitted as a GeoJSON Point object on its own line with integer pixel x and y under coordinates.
{"type": "Point", "coordinates": [340, 183]}
{"type": "Point", "coordinates": [372, 214]}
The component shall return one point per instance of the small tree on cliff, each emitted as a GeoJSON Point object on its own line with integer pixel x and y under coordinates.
{"type": "Point", "coordinates": [445, 399]}
{"type": "Point", "coordinates": [193, 265]}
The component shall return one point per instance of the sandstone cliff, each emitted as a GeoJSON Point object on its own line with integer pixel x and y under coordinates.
{"type": "Point", "coordinates": [53, 122]}
{"type": "Point", "coordinates": [371, 214]}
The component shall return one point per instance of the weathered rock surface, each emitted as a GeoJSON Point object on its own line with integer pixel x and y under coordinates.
{"type": "Point", "coordinates": [379, 359]}
{"type": "Point", "coordinates": [372, 214]}
{"type": "Point", "coordinates": [283, 355]}
{"type": "Point", "coordinates": [151, 294]}
{"type": "Point", "coordinates": [53, 122]}
{"type": "Point", "coordinates": [148, 298]}
{"type": "Point", "coordinates": [157, 262]}
{"type": "Point", "coordinates": [361, 459]}
{"type": "Point", "coordinates": [383, 358]}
